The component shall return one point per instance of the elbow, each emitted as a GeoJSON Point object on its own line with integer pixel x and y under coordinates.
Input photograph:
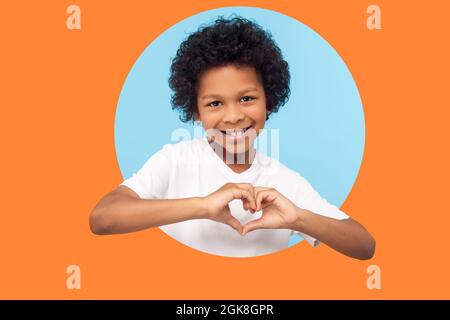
{"type": "Point", "coordinates": [368, 249]}
{"type": "Point", "coordinates": [98, 223]}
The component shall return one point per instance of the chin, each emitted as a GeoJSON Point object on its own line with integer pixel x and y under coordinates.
{"type": "Point", "coordinates": [233, 147]}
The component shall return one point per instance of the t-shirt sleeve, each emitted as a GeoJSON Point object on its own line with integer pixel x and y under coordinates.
{"type": "Point", "coordinates": [309, 199]}
{"type": "Point", "coordinates": [152, 179]}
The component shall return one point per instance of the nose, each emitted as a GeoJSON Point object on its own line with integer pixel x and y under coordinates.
{"type": "Point", "coordinates": [233, 114]}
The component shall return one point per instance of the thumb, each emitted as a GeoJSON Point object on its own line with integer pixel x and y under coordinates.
{"type": "Point", "coordinates": [232, 221]}
{"type": "Point", "coordinates": [235, 224]}
{"type": "Point", "coordinates": [253, 225]}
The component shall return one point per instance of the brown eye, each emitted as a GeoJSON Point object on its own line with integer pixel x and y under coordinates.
{"type": "Point", "coordinates": [247, 99]}
{"type": "Point", "coordinates": [214, 104]}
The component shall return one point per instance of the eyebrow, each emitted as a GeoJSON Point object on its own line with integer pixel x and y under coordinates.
{"type": "Point", "coordinates": [216, 96]}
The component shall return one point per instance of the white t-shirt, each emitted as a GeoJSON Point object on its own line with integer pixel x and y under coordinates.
{"type": "Point", "coordinates": [192, 169]}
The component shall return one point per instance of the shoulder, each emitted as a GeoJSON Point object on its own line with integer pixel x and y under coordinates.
{"type": "Point", "coordinates": [184, 148]}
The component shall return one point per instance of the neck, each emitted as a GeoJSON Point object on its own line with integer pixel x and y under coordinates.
{"type": "Point", "coordinates": [236, 162]}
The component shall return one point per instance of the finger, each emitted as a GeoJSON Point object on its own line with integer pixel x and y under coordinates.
{"type": "Point", "coordinates": [245, 204]}
{"type": "Point", "coordinates": [235, 224]}
{"type": "Point", "coordinates": [253, 225]}
{"type": "Point", "coordinates": [265, 204]}
{"type": "Point", "coordinates": [239, 193]}
{"type": "Point", "coordinates": [262, 196]}
{"type": "Point", "coordinates": [257, 188]}
{"type": "Point", "coordinates": [248, 187]}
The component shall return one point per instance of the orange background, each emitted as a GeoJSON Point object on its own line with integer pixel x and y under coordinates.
{"type": "Point", "coordinates": [59, 90]}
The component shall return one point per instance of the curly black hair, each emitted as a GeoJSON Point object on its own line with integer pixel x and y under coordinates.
{"type": "Point", "coordinates": [235, 41]}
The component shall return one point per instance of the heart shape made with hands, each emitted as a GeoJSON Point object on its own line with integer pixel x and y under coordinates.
{"type": "Point", "coordinates": [278, 212]}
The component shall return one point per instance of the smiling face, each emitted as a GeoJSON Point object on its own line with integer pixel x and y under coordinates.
{"type": "Point", "coordinates": [231, 105]}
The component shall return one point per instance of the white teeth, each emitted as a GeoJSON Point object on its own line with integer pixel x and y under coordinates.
{"type": "Point", "coordinates": [236, 132]}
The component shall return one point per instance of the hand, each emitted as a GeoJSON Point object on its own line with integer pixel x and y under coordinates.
{"type": "Point", "coordinates": [278, 212]}
{"type": "Point", "coordinates": [217, 203]}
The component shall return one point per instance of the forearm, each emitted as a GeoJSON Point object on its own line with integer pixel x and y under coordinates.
{"type": "Point", "coordinates": [123, 214]}
{"type": "Point", "coordinates": [346, 236]}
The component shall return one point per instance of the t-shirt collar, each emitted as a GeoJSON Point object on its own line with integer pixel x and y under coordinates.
{"type": "Point", "coordinates": [245, 175]}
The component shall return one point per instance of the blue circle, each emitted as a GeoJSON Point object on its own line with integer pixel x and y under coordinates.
{"type": "Point", "coordinates": [321, 128]}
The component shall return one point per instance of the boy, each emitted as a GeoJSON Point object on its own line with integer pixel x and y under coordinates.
{"type": "Point", "coordinates": [218, 194]}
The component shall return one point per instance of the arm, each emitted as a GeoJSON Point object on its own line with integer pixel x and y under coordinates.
{"type": "Point", "coordinates": [346, 236]}
{"type": "Point", "coordinates": [122, 211]}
